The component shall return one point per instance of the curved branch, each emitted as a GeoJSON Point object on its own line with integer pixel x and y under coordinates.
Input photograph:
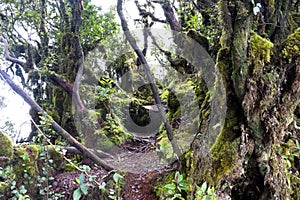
{"type": "Point", "coordinates": [145, 14]}
{"type": "Point", "coordinates": [6, 53]}
{"type": "Point", "coordinates": [76, 96]}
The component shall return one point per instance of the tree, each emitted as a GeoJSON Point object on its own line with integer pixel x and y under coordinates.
{"type": "Point", "coordinates": [257, 61]}
{"type": "Point", "coordinates": [255, 45]}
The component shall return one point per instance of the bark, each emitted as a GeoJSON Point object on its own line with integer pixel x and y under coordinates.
{"type": "Point", "coordinates": [259, 108]}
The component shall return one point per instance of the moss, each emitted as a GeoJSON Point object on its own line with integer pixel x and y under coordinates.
{"type": "Point", "coordinates": [291, 50]}
{"type": "Point", "coordinates": [159, 188]}
{"type": "Point", "coordinates": [224, 152]}
{"type": "Point", "coordinates": [3, 187]}
{"type": "Point", "coordinates": [6, 146]}
{"type": "Point", "coordinates": [224, 156]}
{"type": "Point", "coordinates": [26, 157]}
{"type": "Point", "coordinates": [261, 51]}
{"type": "Point", "coordinates": [164, 148]}
{"type": "Point", "coordinates": [271, 6]}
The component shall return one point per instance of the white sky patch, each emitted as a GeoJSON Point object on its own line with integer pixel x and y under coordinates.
{"type": "Point", "coordinates": [16, 111]}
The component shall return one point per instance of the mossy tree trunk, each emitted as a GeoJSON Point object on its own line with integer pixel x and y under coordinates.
{"type": "Point", "coordinates": [261, 74]}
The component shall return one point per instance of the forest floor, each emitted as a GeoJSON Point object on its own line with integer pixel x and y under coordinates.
{"type": "Point", "coordinates": [138, 159]}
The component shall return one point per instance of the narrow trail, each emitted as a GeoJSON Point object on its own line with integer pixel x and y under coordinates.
{"type": "Point", "coordinates": [137, 158]}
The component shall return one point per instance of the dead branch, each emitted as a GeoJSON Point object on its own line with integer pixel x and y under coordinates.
{"type": "Point", "coordinates": [144, 62]}
{"type": "Point", "coordinates": [6, 53]}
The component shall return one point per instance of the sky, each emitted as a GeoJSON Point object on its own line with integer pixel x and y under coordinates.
{"type": "Point", "coordinates": [16, 110]}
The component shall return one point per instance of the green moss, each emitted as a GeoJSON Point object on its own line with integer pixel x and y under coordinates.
{"type": "Point", "coordinates": [3, 187]}
{"type": "Point", "coordinates": [223, 65]}
{"type": "Point", "coordinates": [26, 157]}
{"type": "Point", "coordinates": [291, 50]}
{"type": "Point", "coordinates": [271, 6]}
{"type": "Point", "coordinates": [224, 152]}
{"type": "Point", "coordinates": [224, 156]}
{"type": "Point", "coordinates": [261, 51]}
{"type": "Point", "coordinates": [161, 182]}
{"type": "Point", "coordinates": [6, 146]}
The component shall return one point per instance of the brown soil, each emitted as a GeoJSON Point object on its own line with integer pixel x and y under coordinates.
{"type": "Point", "coordinates": [137, 159]}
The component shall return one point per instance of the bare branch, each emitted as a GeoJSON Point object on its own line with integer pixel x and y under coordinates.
{"type": "Point", "coordinates": [170, 16]}
{"type": "Point", "coordinates": [6, 53]}
{"type": "Point", "coordinates": [145, 14]}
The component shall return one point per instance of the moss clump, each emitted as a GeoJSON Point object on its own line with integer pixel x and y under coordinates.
{"type": "Point", "coordinates": [224, 152]}
{"type": "Point", "coordinates": [261, 51]}
{"type": "Point", "coordinates": [26, 158]}
{"type": "Point", "coordinates": [291, 50]}
{"type": "Point", "coordinates": [6, 146]}
{"type": "Point", "coordinates": [224, 156]}
{"type": "Point", "coordinates": [3, 187]}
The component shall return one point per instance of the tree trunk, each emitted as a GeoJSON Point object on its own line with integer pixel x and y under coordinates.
{"type": "Point", "coordinates": [262, 80]}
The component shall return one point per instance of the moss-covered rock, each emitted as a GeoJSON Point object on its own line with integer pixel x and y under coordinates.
{"type": "Point", "coordinates": [6, 146]}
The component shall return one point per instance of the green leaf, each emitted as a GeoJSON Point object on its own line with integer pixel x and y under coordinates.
{"type": "Point", "coordinates": [206, 197]}
{"type": "Point", "coordinates": [170, 186]}
{"type": "Point", "coordinates": [86, 168]}
{"type": "Point", "coordinates": [178, 177]}
{"type": "Point", "coordinates": [23, 189]}
{"type": "Point", "coordinates": [81, 178]}
{"type": "Point", "coordinates": [84, 189]}
{"type": "Point", "coordinates": [102, 186]}
{"type": "Point", "coordinates": [77, 194]}
{"type": "Point", "coordinates": [211, 191]}
{"type": "Point", "coordinates": [117, 177]}
{"type": "Point", "coordinates": [204, 187]}
{"type": "Point", "coordinates": [184, 185]}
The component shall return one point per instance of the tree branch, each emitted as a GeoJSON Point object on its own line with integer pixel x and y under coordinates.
{"type": "Point", "coordinates": [144, 62]}
{"type": "Point", "coordinates": [85, 151]}
{"type": "Point", "coordinates": [170, 16]}
{"type": "Point", "coordinates": [6, 53]}
{"type": "Point", "coordinates": [146, 14]}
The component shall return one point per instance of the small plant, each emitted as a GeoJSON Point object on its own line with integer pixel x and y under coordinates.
{"type": "Point", "coordinates": [116, 192]}
{"type": "Point", "coordinates": [19, 193]}
{"type": "Point", "coordinates": [174, 190]}
{"type": "Point", "coordinates": [83, 184]}
{"type": "Point", "coordinates": [205, 193]}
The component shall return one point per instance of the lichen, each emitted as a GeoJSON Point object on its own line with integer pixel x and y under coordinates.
{"type": "Point", "coordinates": [291, 50]}
{"type": "Point", "coordinates": [6, 146]}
